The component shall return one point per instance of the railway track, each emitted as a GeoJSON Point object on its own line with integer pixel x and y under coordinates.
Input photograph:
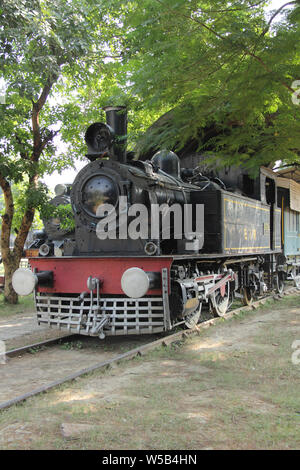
{"type": "Point", "coordinates": [36, 346]}
{"type": "Point", "coordinates": [140, 350]}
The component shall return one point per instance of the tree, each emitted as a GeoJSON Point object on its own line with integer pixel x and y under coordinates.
{"type": "Point", "coordinates": [225, 69]}
{"type": "Point", "coordinates": [47, 50]}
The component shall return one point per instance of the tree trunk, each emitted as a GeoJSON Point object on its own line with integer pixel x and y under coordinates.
{"type": "Point", "coordinates": [10, 262]}
{"type": "Point", "coordinates": [11, 257]}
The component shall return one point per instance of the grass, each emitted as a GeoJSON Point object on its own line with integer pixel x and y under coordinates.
{"type": "Point", "coordinates": [180, 397]}
{"type": "Point", "coordinates": [24, 305]}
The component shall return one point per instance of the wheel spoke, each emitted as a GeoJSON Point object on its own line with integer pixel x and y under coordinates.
{"type": "Point", "coordinates": [193, 318]}
{"type": "Point", "coordinates": [220, 303]}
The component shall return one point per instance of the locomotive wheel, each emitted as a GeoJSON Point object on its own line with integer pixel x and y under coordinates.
{"type": "Point", "coordinates": [220, 301]}
{"type": "Point", "coordinates": [249, 291]}
{"type": "Point", "coordinates": [192, 319]}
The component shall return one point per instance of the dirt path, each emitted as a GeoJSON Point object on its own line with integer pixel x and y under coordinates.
{"type": "Point", "coordinates": [18, 325]}
{"type": "Point", "coordinates": [22, 329]}
{"type": "Point", "coordinates": [233, 387]}
{"type": "Point", "coordinates": [36, 369]}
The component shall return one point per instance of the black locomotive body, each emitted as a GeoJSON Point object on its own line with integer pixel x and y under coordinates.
{"type": "Point", "coordinates": [139, 183]}
{"type": "Point", "coordinates": [131, 285]}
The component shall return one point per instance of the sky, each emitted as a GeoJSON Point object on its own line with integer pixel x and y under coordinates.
{"type": "Point", "coordinates": [68, 176]}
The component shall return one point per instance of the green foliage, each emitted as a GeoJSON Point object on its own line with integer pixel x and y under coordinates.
{"type": "Point", "coordinates": [25, 196]}
{"type": "Point", "coordinates": [62, 212]}
{"type": "Point", "coordinates": [49, 51]}
{"type": "Point", "coordinates": [66, 216]}
{"type": "Point", "coordinates": [225, 69]}
{"type": "Point", "coordinates": [60, 41]}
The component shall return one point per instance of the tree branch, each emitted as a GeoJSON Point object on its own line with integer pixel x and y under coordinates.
{"type": "Point", "coordinates": [36, 108]}
{"type": "Point", "coordinates": [226, 10]}
{"type": "Point", "coordinates": [274, 16]}
{"type": "Point", "coordinates": [23, 232]}
{"type": "Point", "coordinates": [264, 65]}
{"type": "Point", "coordinates": [48, 139]}
{"type": "Point", "coordinates": [246, 51]}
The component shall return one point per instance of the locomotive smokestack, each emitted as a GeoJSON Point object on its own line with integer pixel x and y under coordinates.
{"type": "Point", "coordinates": [116, 118]}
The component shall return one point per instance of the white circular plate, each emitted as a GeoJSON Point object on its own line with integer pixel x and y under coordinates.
{"type": "Point", "coordinates": [135, 283]}
{"type": "Point", "coordinates": [23, 281]}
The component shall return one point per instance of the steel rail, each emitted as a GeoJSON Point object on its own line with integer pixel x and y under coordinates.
{"type": "Point", "coordinates": [139, 351]}
{"type": "Point", "coordinates": [47, 342]}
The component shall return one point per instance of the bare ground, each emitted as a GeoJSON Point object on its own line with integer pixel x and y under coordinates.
{"type": "Point", "coordinates": [39, 367]}
{"type": "Point", "coordinates": [22, 329]}
{"type": "Point", "coordinates": [232, 387]}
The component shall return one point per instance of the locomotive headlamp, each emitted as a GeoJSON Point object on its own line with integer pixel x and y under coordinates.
{"type": "Point", "coordinates": [99, 138]}
{"type": "Point", "coordinates": [135, 282]}
{"type": "Point", "coordinates": [24, 280]}
{"type": "Point", "coordinates": [97, 191]}
{"type": "Point", "coordinates": [60, 189]}
{"type": "Point", "coordinates": [46, 249]}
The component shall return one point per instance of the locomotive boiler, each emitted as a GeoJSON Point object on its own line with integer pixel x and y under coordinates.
{"type": "Point", "coordinates": [154, 242]}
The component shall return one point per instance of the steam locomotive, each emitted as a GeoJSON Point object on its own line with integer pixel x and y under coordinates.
{"type": "Point", "coordinates": [117, 273]}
